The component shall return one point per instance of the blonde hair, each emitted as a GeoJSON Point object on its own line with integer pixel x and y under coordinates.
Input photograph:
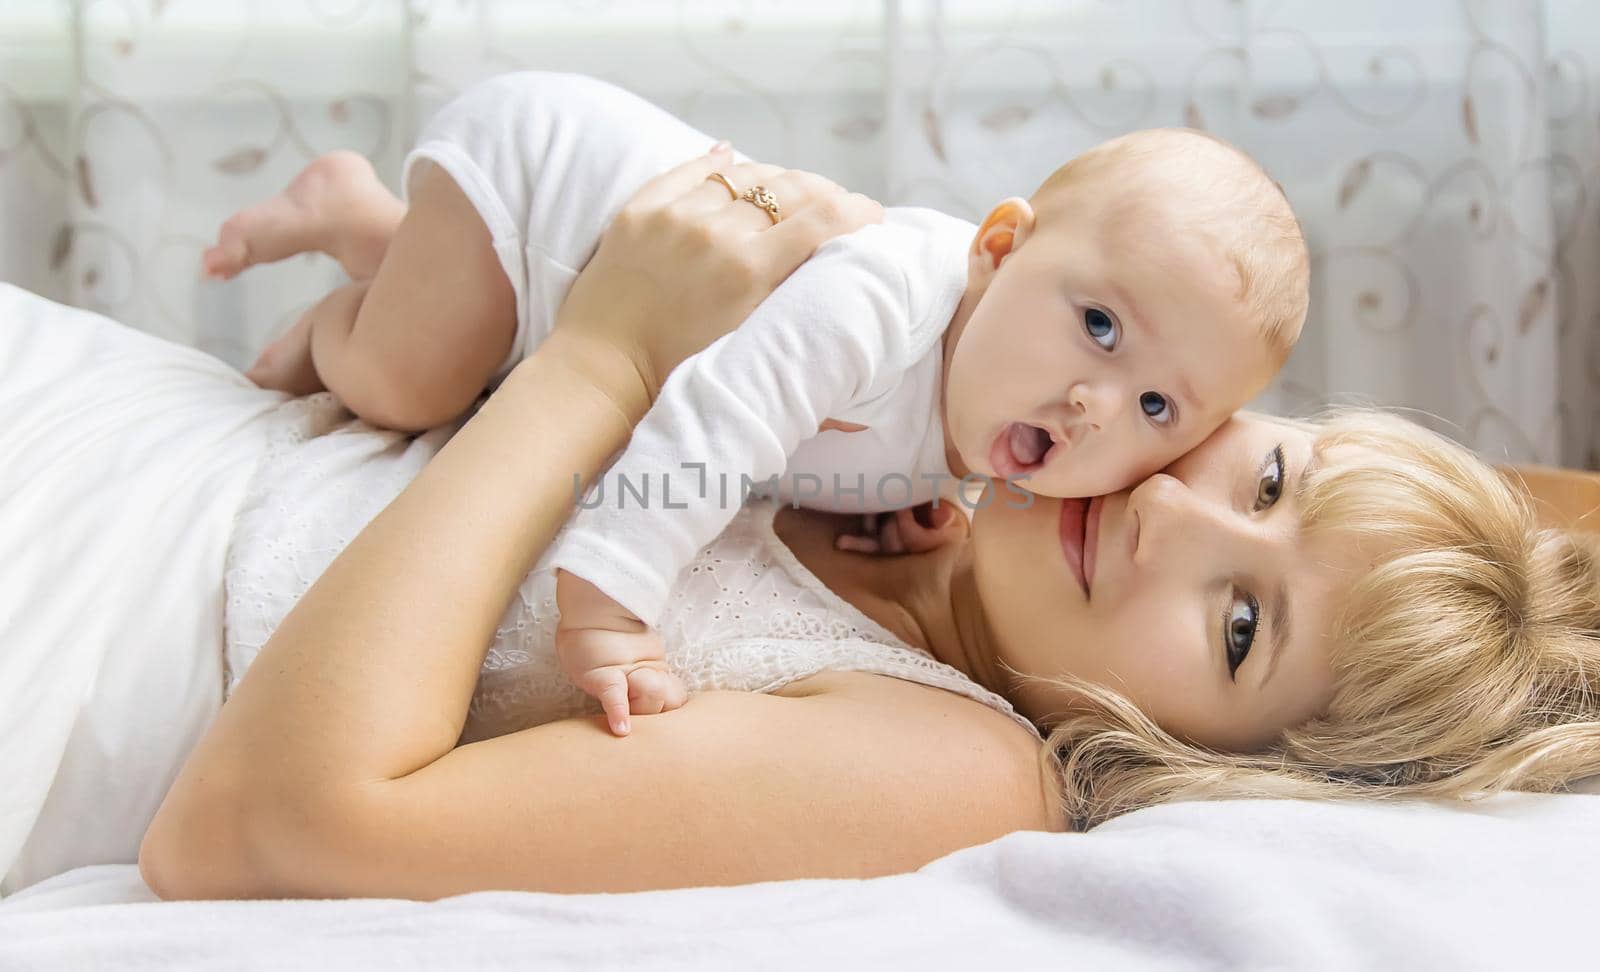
{"type": "Point", "coordinates": [1467, 660]}
{"type": "Point", "coordinates": [1228, 198]}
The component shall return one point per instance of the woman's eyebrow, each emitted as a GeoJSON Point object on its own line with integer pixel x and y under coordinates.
{"type": "Point", "coordinates": [1307, 468]}
{"type": "Point", "coordinates": [1278, 612]}
{"type": "Point", "coordinates": [1278, 601]}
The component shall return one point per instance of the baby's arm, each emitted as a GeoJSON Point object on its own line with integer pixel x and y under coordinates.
{"type": "Point", "coordinates": [740, 407]}
{"type": "Point", "coordinates": [726, 418]}
{"type": "Point", "coordinates": [611, 655]}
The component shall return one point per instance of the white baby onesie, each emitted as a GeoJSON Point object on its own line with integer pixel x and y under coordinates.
{"type": "Point", "coordinates": [853, 335]}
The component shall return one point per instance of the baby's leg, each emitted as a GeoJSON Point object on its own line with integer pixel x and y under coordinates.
{"type": "Point", "coordinates": [511, 187]}
{"type": "Point", "coordinates": [285, 364]}
{"type": "Point", "coordinates": [417, 348]}
{"type": "Point", "coordinates": [548, 160]}
{"type": "Point", "coordinates": [413, 340]}
{"type": "Point", "coordinates": [336, 205]}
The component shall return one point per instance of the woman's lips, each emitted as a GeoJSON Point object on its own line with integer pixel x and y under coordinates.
{"type": "Point", "coordinates": [1091, 539]}
{"type": "Point", "coordinates": [1080, 537]}
{"type": "Point", "coordinates": [1074, 520]}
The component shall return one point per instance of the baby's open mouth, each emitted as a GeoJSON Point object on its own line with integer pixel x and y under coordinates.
{"type": "Point", "coordinates": [1019, 449]}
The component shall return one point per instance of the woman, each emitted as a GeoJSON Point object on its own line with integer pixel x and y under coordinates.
{"type": "Point", "coordinates": [336, 770]}
{"type": "Point", "coordinates": [1355, 606]}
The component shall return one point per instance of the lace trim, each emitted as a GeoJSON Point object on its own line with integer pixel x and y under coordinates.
{"type": "Point", "coordinates": [301, 420]}
{"type": "Point", "coordinates": [902, 660]}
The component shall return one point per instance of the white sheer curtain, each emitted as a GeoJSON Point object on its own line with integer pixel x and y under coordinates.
{"type": "Point", "coordinates": [1442, 154]}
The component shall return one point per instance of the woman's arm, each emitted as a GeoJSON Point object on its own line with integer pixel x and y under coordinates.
{"type": "Point", "coordinates": [333, 770]}
{"type": "Point", "coordinates": [865, 776]}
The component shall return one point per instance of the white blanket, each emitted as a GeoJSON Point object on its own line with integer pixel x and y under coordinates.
{"type": "Point", "coordinates": [1510, 883]}
{"type": "Point", "coordinates": [123, 460]}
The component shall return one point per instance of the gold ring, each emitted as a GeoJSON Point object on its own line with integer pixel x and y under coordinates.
{"type": "Point", "coordinates": [733, 190]}
{"type": "Point", "coordinates": [764, 200]}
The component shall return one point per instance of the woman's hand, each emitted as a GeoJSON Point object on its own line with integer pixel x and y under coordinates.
{"type": "Point", "coordinates": [685, 262]}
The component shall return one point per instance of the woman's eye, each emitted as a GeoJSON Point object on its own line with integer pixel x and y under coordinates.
{"type": "Point", "coordinates": [1156, 407]}
{"type": "Point", "coordinates": [1101, 328]}
{"type": "Point", "coordinates": [1270, 487]}
{"type": "Point", "coordinates": [1240, 631]}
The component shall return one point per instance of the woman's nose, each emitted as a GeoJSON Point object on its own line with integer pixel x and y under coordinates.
{"type": "Point", "coordinates": [1171, 518]}
{"type": "Point", "coordinates": [1100, 403]}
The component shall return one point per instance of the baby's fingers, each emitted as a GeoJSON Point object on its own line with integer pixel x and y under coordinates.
{"type": "Point", "coordinates": [652, 690]}
{"type": "Point", "coordinates": [855, 543]}
{"type": "Point", "coordinates": [610, 686]}
{"type": "Point", "coordinates": [913, 536]}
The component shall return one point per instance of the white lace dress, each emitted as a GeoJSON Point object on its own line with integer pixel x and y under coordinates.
{"type": "Point", "coordinates": [744, 615]}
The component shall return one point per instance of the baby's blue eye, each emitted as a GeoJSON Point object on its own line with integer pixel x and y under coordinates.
{"type": "Point", "coordinates": [1102, 329]}
{"type": "Point", "coordinates": [1156, 407]}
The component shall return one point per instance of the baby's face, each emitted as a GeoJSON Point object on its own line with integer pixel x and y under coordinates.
{"type": "Point", "coordinates": [1099, 352]}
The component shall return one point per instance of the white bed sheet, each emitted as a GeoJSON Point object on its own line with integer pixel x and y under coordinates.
{"type": "Point", "coordinates": [108, 669]}
{"type": "Point", "coordinates": [1512, 882]}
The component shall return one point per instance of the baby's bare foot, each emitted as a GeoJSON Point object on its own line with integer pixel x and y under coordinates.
{"type": "Point", "coordinates": [285, 365]}
{"type": "Point", "coordinates": [329, 207]}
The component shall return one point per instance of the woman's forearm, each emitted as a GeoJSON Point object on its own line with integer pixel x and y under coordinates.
{"type": "Point", "coordinates": [370, 676]}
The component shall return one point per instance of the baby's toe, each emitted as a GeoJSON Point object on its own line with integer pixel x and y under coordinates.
{"type": "Point", "coordinates": [224, 260]}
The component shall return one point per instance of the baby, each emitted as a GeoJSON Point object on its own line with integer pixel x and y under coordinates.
{"type": "Point", "coordinates": [1073, 342]}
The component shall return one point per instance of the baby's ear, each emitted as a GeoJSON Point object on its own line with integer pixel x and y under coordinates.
{"type": "Point", "coordinates": [1000, 234]}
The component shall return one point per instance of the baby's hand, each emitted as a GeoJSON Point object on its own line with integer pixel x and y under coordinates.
{"type": "Point", "coordinates": [612, 655]}
{"type": "Point", "coordinates": [915, 529]}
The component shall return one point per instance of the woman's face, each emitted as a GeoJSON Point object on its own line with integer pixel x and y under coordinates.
{"type": "Point", "coordinates": [1203, 601]}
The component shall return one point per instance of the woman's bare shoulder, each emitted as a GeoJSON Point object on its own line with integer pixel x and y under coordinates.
{"type": "Point", "coordinates": [951, 738]}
